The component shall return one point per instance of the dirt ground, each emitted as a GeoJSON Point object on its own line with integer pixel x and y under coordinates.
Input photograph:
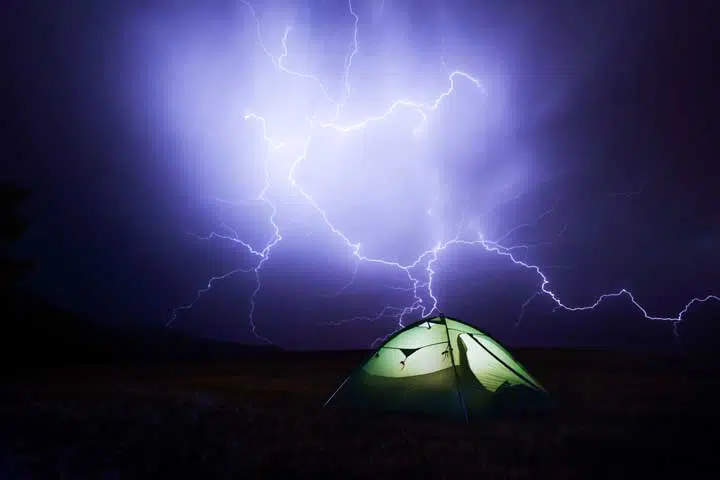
{"type": "Point", "coordinates": [618, 417]}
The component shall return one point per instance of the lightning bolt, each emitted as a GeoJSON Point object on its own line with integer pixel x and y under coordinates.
{"type": "Point", "coordinates": [420, 272]}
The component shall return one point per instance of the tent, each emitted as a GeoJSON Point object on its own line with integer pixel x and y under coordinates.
{"type": "Point", "coordinates": [441, 366]}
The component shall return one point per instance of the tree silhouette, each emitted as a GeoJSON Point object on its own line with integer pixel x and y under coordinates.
{"type": "Point", "coordinates": [12, 227]}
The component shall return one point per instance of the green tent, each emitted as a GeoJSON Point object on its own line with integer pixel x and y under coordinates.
{"type": "Point", "coordinates": [441, 366]}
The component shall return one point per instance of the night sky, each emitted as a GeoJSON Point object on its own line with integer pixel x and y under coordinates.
{"type": "Point", "coordinates": [596, 128]}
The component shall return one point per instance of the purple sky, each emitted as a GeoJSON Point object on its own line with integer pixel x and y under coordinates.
{"type": "Point", "coordinates": [578, 137]}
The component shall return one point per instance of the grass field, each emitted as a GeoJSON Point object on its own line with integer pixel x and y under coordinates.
{"type": "Point", "coordinates": [618, 417]}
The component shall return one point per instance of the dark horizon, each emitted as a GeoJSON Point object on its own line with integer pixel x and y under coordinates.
{"type": "Point", "coordinates": [593, 145]}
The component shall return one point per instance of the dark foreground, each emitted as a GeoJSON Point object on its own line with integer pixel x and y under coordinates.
{"type": "Point", "coordinates": [619, 417]}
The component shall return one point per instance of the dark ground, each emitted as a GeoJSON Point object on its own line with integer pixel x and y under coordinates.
{"type": "Point", "coordinates": [260, 414]}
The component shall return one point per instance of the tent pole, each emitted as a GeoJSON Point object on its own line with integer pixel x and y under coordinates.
{"type": "Point", "coordinates": [454, 367]}
{"type": "Point", "coordinates": [517, 374]}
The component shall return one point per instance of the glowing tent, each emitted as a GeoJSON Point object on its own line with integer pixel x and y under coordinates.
{"type": "Point", "coordinates": [441, 366]}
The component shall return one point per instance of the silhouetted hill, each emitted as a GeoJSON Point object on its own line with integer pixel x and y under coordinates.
{"type": "Point", "coordinates": [38, 333]}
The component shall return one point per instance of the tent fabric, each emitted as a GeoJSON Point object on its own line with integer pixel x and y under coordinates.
{"type": "Point", "coordinates": [441, 366]}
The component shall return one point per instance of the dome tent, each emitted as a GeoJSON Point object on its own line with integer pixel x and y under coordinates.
{"type": "Point", "coordinates": [441, 366]}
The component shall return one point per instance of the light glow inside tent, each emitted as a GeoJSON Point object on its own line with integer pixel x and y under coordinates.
{"type": "Point", "coordinates": [444, 366]}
